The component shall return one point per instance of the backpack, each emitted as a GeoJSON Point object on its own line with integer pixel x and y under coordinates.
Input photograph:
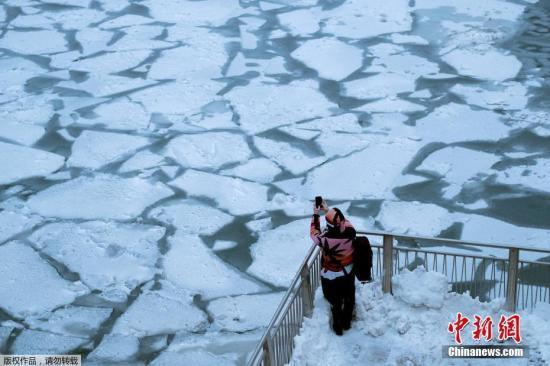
{"type": "Point", "coordinates": [362, 258]}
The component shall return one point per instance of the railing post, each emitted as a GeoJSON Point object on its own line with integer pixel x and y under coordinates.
{"type": "Point", "coordinates": [511, 290]}
{"type": "Point", "coordinates": [267, 353]}
{"type": "Point", "coordinates": [387, 263]}
{"type": "Point", "coordinates": [306, 291]}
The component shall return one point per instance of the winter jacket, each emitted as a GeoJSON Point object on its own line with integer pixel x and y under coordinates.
{"type": "Point", "coordinates": [336, 244]}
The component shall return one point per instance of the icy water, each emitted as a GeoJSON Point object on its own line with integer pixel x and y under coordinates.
{"type": "Point", "coordinates": [159, 157]}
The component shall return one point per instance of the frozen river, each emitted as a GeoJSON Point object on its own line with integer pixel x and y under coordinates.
{"type": "Point", "coordinates": [158, 158]}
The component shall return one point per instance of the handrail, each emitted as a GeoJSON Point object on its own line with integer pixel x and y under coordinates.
{"type": "Point", "coordinates": [276, 345]}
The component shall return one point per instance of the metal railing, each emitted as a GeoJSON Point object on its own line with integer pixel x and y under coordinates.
{"type": "Point", "coordinates": [522, 283]}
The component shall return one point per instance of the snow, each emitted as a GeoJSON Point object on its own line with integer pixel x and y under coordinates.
{"type": "Point", "coordinates": [278, 253]}
{"type": "Point", "coordinates": [25, 134]}
{"type": "Point", "coordinates": [209, 150]}
{"type": "Point", "coordinates": [244, 313]}
{"type": "Point", "coordinates": [30, 286]}
{"type": "Point", "coordinates": [19, 162]}
{"type": "Point", "coordinates": [110, 257]}
{"type": "Point", "coordinates": [115, 348]}
{"type": "Point", "coordinates": [174, 311]}
{"type": "Point", "coordinates": [102, 196]}
{"type": "Point", "coordinates": [192, 217]}
{"type": "Point", "coordinates": [192, 357]}
{"type": "Point", "coordinates": [355, 19]}
{"type": "Point", "coordinates": [480, 65]}
{"type": "Point", "coordinates": [534, 176]}
{"type": "Point", "coordinates": [301, 22]}
{"type": "Point", "coordinates": [414, 322]}
{"type": "Point", "coordinates": [142, 160]}
{"type": "Point", "coordinates": [73, 321]}
{"type": "Point", "coordinates": [455, 122]}
{"type": "Point", "coordinates": [13, 223]}
{"type": "Point", "coordinates": [191, 265]}
{"type": "Point", "coordinates": [259, 170]}
{"type": "Point", "coordinates": [34, 42]}
{"type": "Point", "coordinates": [235, 195]}
{"type": "Point", "coordinates": [508, 96]}
{"type": "Point", "coordinates": [422, 219]}
{"type": "Point", "coordinates": [331, 58]}
{"type": "Point", "coordinates": [34, 342]}
{"type": "Point", "coordinates": [291, 158]}
{"type": "Point", "coordinates": [93, 149]}
{"type": "Point", "coordinates": [379, 86]}
{"type": "Point", "coordinates": [265, 106]}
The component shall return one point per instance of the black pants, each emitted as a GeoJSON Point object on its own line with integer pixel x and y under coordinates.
{"type": "Point", "coordinates": [340, 293]}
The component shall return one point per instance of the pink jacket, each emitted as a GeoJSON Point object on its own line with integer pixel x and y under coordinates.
{"type": "Point", "coordinates": [337, 245]}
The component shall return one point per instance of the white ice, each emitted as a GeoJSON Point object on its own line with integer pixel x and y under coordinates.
{"type": "Point", "coordinates": [301, 22]}
{"type": "Point", "coordinates": [173, 311]}
{"type": "Point", "coordinates": [507, 96]}
{"type": "Point", "coordinates": [19, 162]}
{"type": "Point", "coordinates": [336, 144]}
{"type": "Point", "coordinates": [221, 245]}
{"type": "Point", "coordinates": [102, 85]}
{"type": "Point", "coordinates": [191, 217]}
{"type": "Point", "coordinates": [198, 357]}
{"type": "Point", "coordinates": [283, 153]}
{"type": "Point", "coordinates": [31, 286]}
{"type": "Point", "coordinates": [278, 252]}
{"type": "Point", "coordinates": [455, 122]}
{"type": "Point", "coordinates": [208, 150]}
{"type": "Point", "coordinates": [379, 86]}
{"type": "Point", "coordinates": [408, 39]}
{"type": "Point", "coordinates": [141, 37]}
{"type": "Point", "coordinates": [125, 20]}
{"type": "Point", "coordinates": [490, 9]}
{"type": "Point", "coordinates": [115, 348]}
{"type": "Point", "coordinates": [346, 122]}
{"type": "Point", "coordinates": [260, 224]}
{"type": "Point", "coordinates": [388, 59]}
{"type": "Point", "coordinates": [244, 313]}
{"type": "Point", "coordinates": [391, 104]}
{"type": "Point", "coordinates": [212, 12]}
{"type": "Point", "coordinates": [99, 197]}
{"type": "Point", "coordinates": [34, 342]}
{"type": "Point", "coordinates": [142, 160]}
{"type": "Point", "coordinates": [423, 219]}
{"type": "Point", "coordinates": [107, 63]}
{"type": "Point", "coordinates": [93, 149]}
{"type": "Point", "coordinates": [73, 321]}
{"type": "Point", "coordinates": [480, 64]}
{"type": "Point", "coordinates": [13, 223]}
{"type": "Point", "coordinates": [110, 257]}
{"type": "Point", "coordinates": [194, 267]}
{"type": "Point", "coordinates": [331, 58]}
{"type": "Point", "coordinates": [260, 170]}
{"type": "Point", "coordinates": [265, 106]}
{"type": "Point", "coordinates": [25, 134]}
{"type": "Point", "coordinates": [534, 176]}
{"type": "Point", "coordinates": [120, 114]}
{"type": "Point", "coordinates": [34, 42]}
{"type": "Point", "coordinates": [93, 40]}
{"type": "Point", "coordinates": [14, 72]}
{"type": "Point", "coordinates": [235, 195]}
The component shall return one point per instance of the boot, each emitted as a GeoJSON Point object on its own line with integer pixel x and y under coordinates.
{"type": "Point", "coordinates": [337, 321]}
{"type": "Point", "coordinates": [337, 327]}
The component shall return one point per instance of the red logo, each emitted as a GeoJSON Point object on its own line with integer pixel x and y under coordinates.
{"type": "Point", "coordinates": [508, 327]}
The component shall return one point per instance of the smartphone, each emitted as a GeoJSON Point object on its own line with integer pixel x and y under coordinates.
{"type": "Point", "coordinates": [318, 201]}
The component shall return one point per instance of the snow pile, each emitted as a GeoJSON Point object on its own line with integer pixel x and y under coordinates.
{"type": "Point", "coordinates": [414, 322]}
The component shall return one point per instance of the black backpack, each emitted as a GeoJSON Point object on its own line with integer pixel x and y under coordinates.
{"type": "Point", "coordinates": [362, 258]}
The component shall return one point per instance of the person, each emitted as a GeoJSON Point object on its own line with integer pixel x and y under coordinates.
{"type": "Point", "coordinates": [337, 278]}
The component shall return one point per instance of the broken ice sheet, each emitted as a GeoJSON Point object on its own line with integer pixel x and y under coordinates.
{"type": "Point", "coordinates": [102, 196]}
{"type": "Point", "coordinates": [30, 286]}
{"type": "Point", "coordinates": [93, 149]}
{"type": "Point", "coordinates": [408, 39]}
{"type": "Point", "coordinates": [197, 357]}
{"type": "Point", "coordinates": [507, 96]}
{"type": "Point", "coordinates": [107, 63]}
{"type": "Point", "coordinates": [391, 104]}
{"type": "Point", "coordinates": [302, 22]}
{"type": "Point", "coordinates": [536, 176]}
{"type": "Point", "coordinates": [341, 144]}
{"type": "Point", "coordinates": [196, 13]}
{"type": "Point", "coordinates": [32, 109]}
{"type": "Point", "coordinates": [115, 348]}
{"type": "Point", "coordinates": [34, 342]}
{"type": "Point", "coordinates": [101, 85]}
{"type": "Point", "coordinates": [19, 162]}
{"type": "Point", "coordinates": [331, 58]}
{"type": "Point", "coordinates": [110, 257]}
{"type": "Point", "coordinates": [142, 160]}
{"type": "Point", "coordinates": [93, 40]}
{"type": "Point", "coordinates": [291, 158]}
{"type": "Point", "coordinates": [278, 252]}
{"type": "Point", "coordinates": [13, 223]}
{"type": "Point", "coordinates": [479, 63]}
{"type": "Point", "coordinates": [398, 62]}
{"type": "Point", "coordinates": [235, 195]}
{"type": "Point", "coordinates": [260, 170]}
{"type": "Point", "coordinates": [265, 106]}
{"type": "Point", "coordinates": [25, 134]}
{"type": "Point", "coordinates": [120, 114]}
{"type": "Point", "coordinates": [244, 313]}
{"type": "Point", "coordinates": [208, 150]}
{"type": "Point", "coordinates": [33, 42]}
{"type": "Point", "coordinates": [219, 280]}
{"type": "Point", "coordinates": [73, 321]}
{"type": "Point", "coordinates": [379, 86]}
{"type": "Point", "coordinates": [191, 216]}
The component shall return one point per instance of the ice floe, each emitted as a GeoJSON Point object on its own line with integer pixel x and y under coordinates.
{"type": "Point", "coordinates": [107, 63]}
{"type": "Point", "coordinates": [120, 114]}
{"type": "Point", "coordinates": [408, 39]}
{"type": "Point", "coordinates": [110, 257]}
{"type": "Point", "coordinates": [25, 134]}
{"type": "Point", "coordinates": [238, 196]}
{"type": "Point", "coordinates": [212, 12]}
{"type": "Point", "coordinates": [35, 342]}
{"type": "Point", "coordinates": [507, 96]}
{"type": "Point", "coordinates": [125, 20]}
{"type": "Point", "coordinates": [244, 313]}
{"type": "Point", "coordinates": [193, 266]}
{"type": "Point", "coordinates": [93, 40]}
{"type": "Point", "coordinates": [34, 42]}
{"type": "Point", "coordinates": [191, 217]}
{"type": "Point", "coordinates": [379, 86]}
{"type": "Point", "coordinates": [30, 285]}
{"type": "Point", "coordinates": [491, 9]}
{"type": "Point", "coordinates": [220, 245]}
{"type": "Point", "coordinates": [73, 321]}
{"type": "Point", "coordinates": [93, 149]}
{"type": "Point", "coordinates": [260, 170]}
{"type": "Point", "coordinates": [209, 150]}
{"type": "Point", "coordinates": [341, 144]}
{"type": "Point", "coordinates": [394, 61]}
{"type": "Point", "coordinates": [13, 223]}
{"type": "Point", "coordinates": [101, 85]}
{"type": "Point", "coordinates": [197, 357]}
{"type": "Point", "coordinates": [455, 122]}
{"type": "Point", "coordinates": [265, 106]}
{"type": "Point", "coordinates": [480, 65]}
{"type": "Point", "coordinates": [331, 58]}
{"type": "Point", "coordinates": [536, 176]}
{"type": "Point", "coordinates": [19, 162]}
{"type": "Point", "coordinates": [301, 22]}
{"type": "Point", "coordinates": [392, 104]}
{"type": "Point", "coordinates": [278, 252]}
{"type": "Point", "coordinates": [346, 122]}
{"type": "Point", "coordinates": [99, 197]}
{"type": "Point", "coordinates": [174, 311]}
{"type": "Point", "coordinates": [291, 158]}
{"type": "Point", "coordinates": [142, 160]}
{"type": "Point", "coordinates": [115, 348]}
